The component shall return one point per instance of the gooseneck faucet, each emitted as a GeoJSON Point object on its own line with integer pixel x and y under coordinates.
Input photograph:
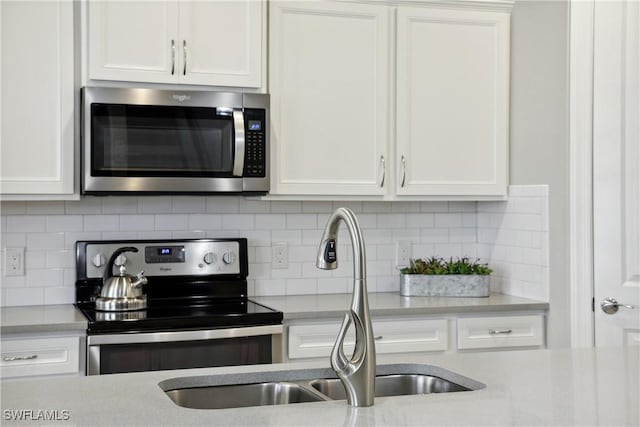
{"type": "Point", "coordinates": [358, 372]}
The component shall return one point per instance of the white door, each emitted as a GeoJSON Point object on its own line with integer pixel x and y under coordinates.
{"type": "Point", "coordinates": [452, 102]}
{"type": "Point", "coordinates": [616, 135]}
{"type": "Point", "coordinates": [133, 41]}
{"type": "Point", "coordinates": [221, 43]}
{"type": "Point", "coordinates": [329, 79]}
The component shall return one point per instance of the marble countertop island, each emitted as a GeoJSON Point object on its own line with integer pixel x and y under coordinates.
{"type": "Point", "coordinates": [533, 387]}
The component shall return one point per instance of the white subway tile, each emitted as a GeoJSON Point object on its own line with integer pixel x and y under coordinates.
{"type": "Point", "coordinates": [45, 208]}
{"type": "Point", "coordinates": [301, 221]}
{"type": "Point", "coordinates": [101, 222]}
{"type": "Point", "coordinates": [405, 234]}
{"type": "Point", "coordinates": [420, 220]}
{"type": "Point", "coordinates": [292, 237]}
{"type": "Point", "coordinates": [285, 207]}
{"type": "Point", "coordinates": [59, 295]}
{"type": "Point", "coordinates": [28, 224]}
{"type": "Point", "coordinates": [86, 205]}
{"type": "Point", "coordinates": [469, 220]}
{"type": "Point", "coordinates": [463, 207]}
{"type": "Point", "coordinates": [337, 285]}
{"type": "Point", "coordinates": [434, 207]}
{"type": "Point", "coordinates": [388, 283]}
{"type": "Point", "coordinates": [238, 222]}
{"type": "Point", "coordinates": [260, 270]}
{"type": "Point", "coordinates": [154, 205]}
{"type": "Point", "coordinates": [171, 222]}
{"type": "Point", "coordinates": [120, 205]}
{"type": "Point", "coordinates": [317, 207]}
{"type": "Point", "coordinates": [137, 223]}
{"type": "Point", "coordinates": [376, 207]}
{"type": "Point", "coordinates": [11, 240]}
{"type": "Point", "coordinates": [153, 235]}
{"type": "Point", "coordinates": [271, 221]}
{"type": "Point", "coordinates": [3, 224]}
{"type": "Point", "coordinates": [448, 220]}
{"type": "Point", "coordinates": [64, 223]}
{"type": "Point", "coordinates": [253, 206]}
{"type": "Point", "coordinates": [262, 254]}
{"type": "Point", "coordinates": [462, 235]}
{"type": "Point", "coordinates": [60, 259]}
{"type": "Point", "coordinates": [391, 221]}
{"type": "Point", "coordinates": [222, 204]}
{"type": "Point", "coordinates": [258, 237]}
{"type": "Point", "coordinates": [302, 253]}
{"type": "Point", "coordinates": [35, 259]}
{"type": "Point", "coordinates": [448, 250]}
{"type": "Point", "coordinates": [188, 204]}
{"type": "Point", "coordinates": [225, 234]}
{"type": "Point", "coordinates": [309, 269]}
{"type": "Point", "coordinates": [204, 222]}
{"type": "Point", "coordinates": [24, 296]}
{"type": "Point", "coordinates": [45, 277]}
{"type": "Point", "coordinates": [356, 207]}
{"type": "Point", "coordinates": [13, 208]}
{"type": "Point", "coordinates": [119, 235]}
{"type": "Point", "coordinates": [302, 286]}
{"type": "Point", "coordinates": [183, 234]}
{"type": "Point", "coordinates": [293, 271]}
{"type": "Point", "coordinates": [422, 250]}
{"type": "Point", "coordinates": [45, 241]}
{"type": "Point", "coordinates": [434, 235]}
{"type": "Point", "coordinates": [405, 207]}
{"type": "Point", "coordinates": [528, 190]}
{"type": "Point", "coordinates": [12, 281]}
{"type": "Point", "coordinates": [269, 287]}
{"type": "Point", "coordinates": [70, 239]}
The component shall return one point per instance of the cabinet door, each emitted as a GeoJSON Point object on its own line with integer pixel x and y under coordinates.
{"type": "Point", "coordinates": [37, 94]}
{"type": "Point", "coordinates": [329, 82]}
{"type": "Point", "coordinates": [221, 43]}
{"type": "Point", "coordinates": [452, 102]}
{"type": "Point", "coordinates": [133, 41]}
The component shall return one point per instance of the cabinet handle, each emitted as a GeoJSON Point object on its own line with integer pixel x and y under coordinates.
{"type": "Point", "coordinates": [384, 171]}
{"type": "Point", "coordinates": [404, 170]}
{"type": "Point", "coordinates": [18, 358]}
{"type": "Point", "coordinates": [173, 57]}
{"type": "Point", "coordinates": [184, 51]}
{"type": "Point", "coordinates": [498, 332]}
{"type": "Point", "coordinates": [378, 338]}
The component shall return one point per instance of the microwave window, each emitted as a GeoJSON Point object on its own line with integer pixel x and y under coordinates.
{"type": "Point", "coordinates": [132, 140]}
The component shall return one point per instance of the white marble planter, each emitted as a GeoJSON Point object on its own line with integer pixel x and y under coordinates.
{"type": "Point", "coordinates": [446, 285]}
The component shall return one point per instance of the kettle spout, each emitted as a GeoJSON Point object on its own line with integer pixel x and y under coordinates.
{"type": "Point", "coordinates": [140, 280]}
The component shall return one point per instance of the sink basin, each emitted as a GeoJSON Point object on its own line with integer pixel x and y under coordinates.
{"type": "Point", "coordinates": [242, 395]}
{"type": "Point", "coordinates": [392, 385]}
{"type": "Point", "coordinates": [306, 385]}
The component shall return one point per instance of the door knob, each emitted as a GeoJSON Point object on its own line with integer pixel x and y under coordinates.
{"type": "Point", "coordinates": [611, 306]}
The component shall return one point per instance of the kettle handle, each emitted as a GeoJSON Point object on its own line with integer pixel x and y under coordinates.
{"type": "Point", "coordinates": [108, 271]}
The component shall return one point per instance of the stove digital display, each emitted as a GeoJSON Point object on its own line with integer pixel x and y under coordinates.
{"type": "Point", "coordinates": [161, 254]}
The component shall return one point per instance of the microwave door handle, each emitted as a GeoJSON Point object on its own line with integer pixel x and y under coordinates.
{"type": "Point", "coordinates": [238, 162]}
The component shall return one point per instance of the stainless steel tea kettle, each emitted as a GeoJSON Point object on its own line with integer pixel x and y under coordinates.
{"type": "Point", "coordinates": [122, 292]}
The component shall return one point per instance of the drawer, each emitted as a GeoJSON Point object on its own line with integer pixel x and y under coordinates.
{"type": "Point", "coordinates": [40, 356]}
{"type": "Point", "coordinates": [391, 336]}
{"type": "Point", "coordinates": [500, 332]}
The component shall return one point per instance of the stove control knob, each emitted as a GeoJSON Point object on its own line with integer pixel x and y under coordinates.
{"type": "Point", "coordinates": [209, 258]}
{"type": "Point", "coordinates": [228, 257]}
{"type": "Point", "coordinates": [120, 260]}
{"type": "Point", "coordinates": [99, 260]}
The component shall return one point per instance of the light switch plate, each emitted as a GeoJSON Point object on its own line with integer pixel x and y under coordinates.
{"type": "Point", "coordinates": [403, 253]}
{"type": "Point", "coordinates": [279, 256]}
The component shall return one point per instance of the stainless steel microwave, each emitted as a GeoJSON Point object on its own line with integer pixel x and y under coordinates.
{"type": "Point", "coordinates": [148, 141]}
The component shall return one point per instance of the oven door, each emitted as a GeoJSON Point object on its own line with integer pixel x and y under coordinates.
{"type": "Point", "coordinates": [137, 352]}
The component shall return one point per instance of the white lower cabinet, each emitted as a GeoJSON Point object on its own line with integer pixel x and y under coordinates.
{"type": "Point", "coordinates": [500, 332]}
{"type": "Point", "coordinates": [26, 357]}
{"type": "Point", "coordinates": [416, 334]}
{"type": "Point", "coordinates": [391, 336]}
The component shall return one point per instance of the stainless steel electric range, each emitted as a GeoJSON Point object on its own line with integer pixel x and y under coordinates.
{"type": "Point", "coordinates": [197, 312]}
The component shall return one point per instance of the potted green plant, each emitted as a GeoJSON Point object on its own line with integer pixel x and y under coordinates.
{"type": "Point", "coordinates": [435, 276]}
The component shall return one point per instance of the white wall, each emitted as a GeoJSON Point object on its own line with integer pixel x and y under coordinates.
{"type": "Point", "coordinates": [539, 140]}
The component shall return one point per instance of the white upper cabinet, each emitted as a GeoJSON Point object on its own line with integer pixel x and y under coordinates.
{"type": "Point", "coordinates": [329, 84]}
{"type": "Point", "coordinates": [452, 102]}
{"type": "Point", "coordinates": [37, 100]}
{"type": "Point", "coordinates": [384, 101]}
{"type": "Point", "coordinates": [215, 43]}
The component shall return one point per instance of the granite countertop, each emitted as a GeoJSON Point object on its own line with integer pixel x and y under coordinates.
{"type": "Point", "coordinates": [390, 304]}
{"type": "Point", "coordinates": [533, 387]}
{"type": "Point", "coordinates": [41, 318]}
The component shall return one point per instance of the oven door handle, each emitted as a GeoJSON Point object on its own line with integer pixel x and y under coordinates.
{"type": "Point", "coordinates": [209, 334]}
{"type": "Point", "coordinates": [238, 158]}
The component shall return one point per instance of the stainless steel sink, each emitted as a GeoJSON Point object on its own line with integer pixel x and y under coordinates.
{"type": "Point", "coordinates": [242, 395]}
{"type": "Point", "coordinates": [306, 385]}
{"type": "Point", "coordinates": [392, 385]}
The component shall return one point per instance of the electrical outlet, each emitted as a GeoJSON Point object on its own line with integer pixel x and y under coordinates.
{"type": "Point", "coordinates": [279, 255]}
{"type": "Point", "coordinates": [14, 262]}
{"type": "Point", "coordinates": [403, 253]}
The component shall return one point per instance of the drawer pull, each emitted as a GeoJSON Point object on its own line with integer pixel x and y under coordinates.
{"type": "Point", "coordinates": [503, 331]}
{"type": "Point", "coordinates": [18, 358]}
{"type": "Point", "coordinates": [378, 338]}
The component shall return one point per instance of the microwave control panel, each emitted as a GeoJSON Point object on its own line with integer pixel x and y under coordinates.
{"type": "Point", "coordinates": [255, 147]}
